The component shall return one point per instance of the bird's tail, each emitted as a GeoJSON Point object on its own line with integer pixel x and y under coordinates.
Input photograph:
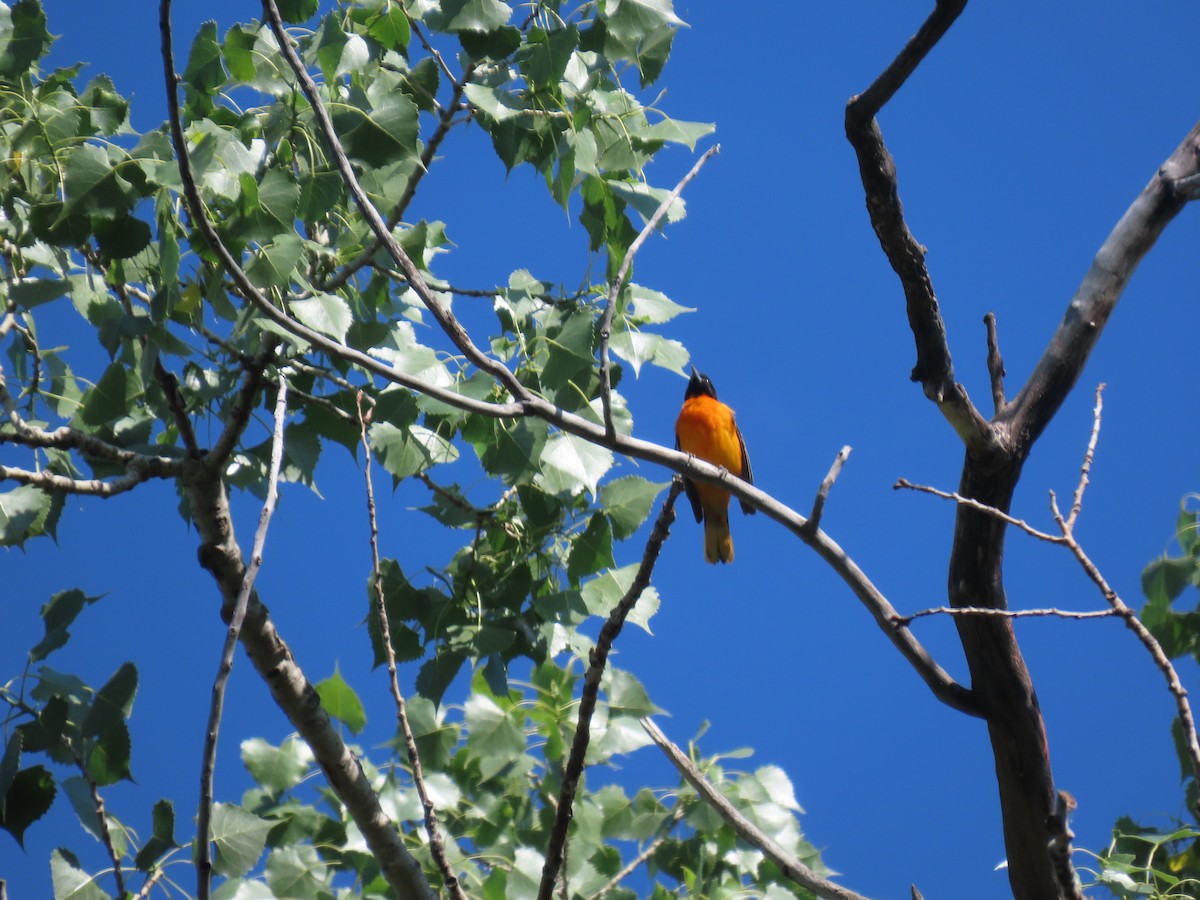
{"type": "Point", "coordinates": [718, 542]}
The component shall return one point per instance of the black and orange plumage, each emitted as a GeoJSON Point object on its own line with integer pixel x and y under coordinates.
{"type": "Point", "coordinates": [706, 428]}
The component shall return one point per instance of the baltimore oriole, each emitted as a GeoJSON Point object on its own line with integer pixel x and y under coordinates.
{"type": "Point", "coordinates": [706, 429]}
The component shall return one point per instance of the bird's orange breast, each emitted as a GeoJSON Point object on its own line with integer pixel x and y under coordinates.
{"type": "Point", "coordinates": [706, 429]}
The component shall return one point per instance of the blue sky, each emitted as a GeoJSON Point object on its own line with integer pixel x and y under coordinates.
{"type": "Point", "coordinates": [1019, 144]}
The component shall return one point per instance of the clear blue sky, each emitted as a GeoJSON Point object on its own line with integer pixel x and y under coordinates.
{"type": "Point", "coordinates": [1019, 143]}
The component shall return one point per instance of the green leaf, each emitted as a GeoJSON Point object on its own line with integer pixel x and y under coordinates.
{"type": "Point", "coordinates": [650, 307]}
{"type": "Point", "coordinates": [10, 764]}
{"type": "Point", "coordinates": [1187, 530]}
{"type": "Point", "coordinates": [204, 73]}
{"type": "Point", "coordinates": [23, 38]}
{"type": "Point", "coordinates": [473, 15]}
{"type": "Point", "coordinates": [493, 738]}
{"type": "Point", "coordinates": [389, 25]}
{"type": "Point", "coordinates": [341, 702]}
{"type": "Point", "coordinates": [107, 109]}
{"type": "Point", "coordinates": [112, 704]}
{"type": "Point", "coordinates": [276, 768]}
{"type": "Point", "coordinates": [21, 509]}
{"type": "Point", "coordinates": [638, 347]}
{"type": "Point", "coordinates": [28, 798]}
{"type": "Point", "coordinates": [162, 839]}
{"type": "Point", "coordinates": [297, 872]}
{"type": "Point", "coordinates": [626, 695]}
{"type": "Point", "coordinates": [239, 52]}
{"type": "Point", "coordinates": [592, 550]}
{"type": "Point", "coordinates": [121, 237]}
{"type": "Point", "coordinates": [57, 615]}
{"type": "Point", "coordinates": [497, 45]}
{"type": "Point", "coordinates": [276, 264]}
{"type": "Point", "coordinates": [70, 881]}
{"type": "Point", "coordinates": [407, 451]}
{"type": "Point", "coordinates": [545, 55]}
{"type": "Point", "coordinates": [30, 292]}
{"type": "Point", "coordinates": [297, 11]}
{"type": "Point", "coordinates": [1165, 578]}
{"type": "Point", "coordinates": [109, 757]}
{"type": "Point", "coordinates": [571, 348]}
{"type": "Point", "coordinates": [628, 501]}
{"type": "Point", "coordinates": [79, 792]}
{"type": "Point", "coordinates": [437, 673]}
{"type": "Point", "coordinates": [239, 837]}
{"type": "Point", "coordinates": [571, 464]}
{"type": "Point", "coordinates": [112, 397]}
{"type": "Point", "coordinates": [327, 313]}
{"type": "Point", "coordinates": [603, 593]}
{"type": "Point", "coordinates": [385, 135]}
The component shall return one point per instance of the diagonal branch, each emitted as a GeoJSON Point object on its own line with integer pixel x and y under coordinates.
{"type": "Point", "coordinates": [1088, 312]}
{"type": "Point", "coordinates": [225, 668]}
{"type": "Point", "coordinates": [383, 233]}
{"type": "Point", "coordinates": [597, 660]}
{"type": "Point", "coordinates": [618, 284]}
{"type": "Point", "coordinates": [790, 866]}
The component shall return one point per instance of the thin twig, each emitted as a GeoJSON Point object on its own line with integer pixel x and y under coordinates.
{"type": "Point", "coordinates": [1004, 613]}
{"type": "Point", "coordinates": [597, 660]}
{"type": "Point", "coordinates": [1088, 456]}
{"type": "Point", "coordinates": [648, 851]}
{"type": "Point", "coordinates": [814, 518]}
{"type": "Point", "coordinates": [236, 618]}
{"type": "Point", "coordinates": [1153, 647]}
{"type": "Point", "coordinates": [995, 363]}
{"type": "Point", "coordinates": [791, 867]}
{"type": "Point", "coordinates": [436, 845]}
{"type": "Point", "coordinates": [151, 881]}
{"type": "Point", "coordinates": [618, 283]}
{"type": "Point", "coordinates": [904, 483]}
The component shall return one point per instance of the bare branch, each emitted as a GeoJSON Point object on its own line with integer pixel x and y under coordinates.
{"type": "Point", "coordinates": [1086, 469]}
{"type": "Point", "coordinates": [934, 368]}
{"type": "Point", "coordinates": [904, 483]}
{"type": "Point", "coordinates": [1114, 264]}
{"type": "Point", "coordinates": [1004, 613]}
{"type": "Point", "coordinates": [618, 283]}
{"type": "Point", "coordinates": [995, 363]}
{"type": "Point", "coordinates": [225, 667]}
{"type": "Point", "coordinates": [1153, 647]}
{"type": "Point", "coordinates": [436, 845]}
{"type": "Point", "coordinates": [790, 866]}
{"type": "Point", "coordinates": [814, 519]}
{"type": "Point", "coordinates": [597, 660]}
{"type": "Point", "coordinates": [102, 824]}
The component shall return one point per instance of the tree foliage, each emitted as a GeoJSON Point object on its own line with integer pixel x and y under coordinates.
{"type": "Point", "coordinates": [199, 284]}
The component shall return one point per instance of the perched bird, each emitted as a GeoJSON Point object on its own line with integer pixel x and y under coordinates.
{"type": "Point", "coordinates": [705, 428]}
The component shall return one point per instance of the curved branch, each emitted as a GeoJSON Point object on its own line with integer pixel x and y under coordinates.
{"type": "Point", "coordinates": [934, 368]}
{"type": "Point", "coordinates": [444, 316]}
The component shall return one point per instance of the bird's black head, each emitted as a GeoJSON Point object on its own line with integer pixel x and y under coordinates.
{"type": "Point", "coordinates": [699, 386]}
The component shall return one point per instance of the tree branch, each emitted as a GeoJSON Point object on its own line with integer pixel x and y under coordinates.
{"type": "Point", "coordinates": [597, 660]}
{"type": "Point", "coordinates": [444, 316]}
{"type": "Point", "coordinates": [1088, 312]}
{"type": "Point", "coordinates": [995, 364]}
{"type": "Point", "coordinates": [791, 867]}
{"type": "Point", "coordinates": [618, 283]}
{"type": "Point", "coordinates": [934, 368]}
{"type": "Point", "coordinates": [225, 667]}
{"type": "Point", "coordinates": [818, 508]}
{"type": "Point", "coordinates": [436, 845]}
